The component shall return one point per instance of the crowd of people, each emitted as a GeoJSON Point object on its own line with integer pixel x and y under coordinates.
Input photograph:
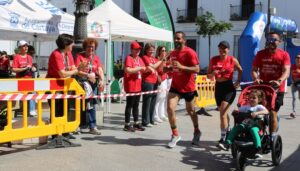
{"type": "Point", "coordinates": [172, 73]}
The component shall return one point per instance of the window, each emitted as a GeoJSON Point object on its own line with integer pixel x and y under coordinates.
{"type": "Point", "coordinates": [192, 43]}
{"type": "Point", "coordinates": [236, 39]}
{"type": "Point", "coordinates": [248, 7]}
{"type": "Point", "coordinates": [136, 8]}
{"type": "Point", "coordinates": [192, 6]}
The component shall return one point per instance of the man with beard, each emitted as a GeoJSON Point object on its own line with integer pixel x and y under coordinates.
{"type": "Point", "coordinates": [184, 64]}
{"type": "Point", "coordinates": [272, 66]}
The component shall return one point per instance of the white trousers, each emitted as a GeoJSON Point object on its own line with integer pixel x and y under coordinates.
{"type": "Point", "coordinates": [160, 109]}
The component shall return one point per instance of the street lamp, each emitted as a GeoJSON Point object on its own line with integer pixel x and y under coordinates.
{"type": "Point", "coordinates": [268, 29]}
{"type": "Point", "coordinates": [80, 27]}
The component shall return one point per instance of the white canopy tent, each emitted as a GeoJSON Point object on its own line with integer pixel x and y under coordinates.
{"type": "Point", "coordinates": [38, 20]}
{"type": "Point", "coordinates": [124, 27]}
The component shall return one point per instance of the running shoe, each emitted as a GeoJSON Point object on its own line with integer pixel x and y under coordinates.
{"type": "Point", "coordinates": [174, 141]}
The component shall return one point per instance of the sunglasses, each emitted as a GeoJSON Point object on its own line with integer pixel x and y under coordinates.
{"type": "Point", "coordinates": [272, 40]}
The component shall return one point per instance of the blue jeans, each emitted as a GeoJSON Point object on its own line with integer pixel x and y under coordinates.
{"type": "Point", "coordinates": [148, 103]}
{"type": "Point", "coordinates": [92, 112]}
{"type": "Point", "coordinates": [31, 105]}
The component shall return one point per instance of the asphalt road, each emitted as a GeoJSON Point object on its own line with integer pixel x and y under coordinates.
{"type": "Point", "coordinates": [119, 150]}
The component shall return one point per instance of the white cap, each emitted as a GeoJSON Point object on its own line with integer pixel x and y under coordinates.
{"type": "Point", "coordinates": [22, 43]}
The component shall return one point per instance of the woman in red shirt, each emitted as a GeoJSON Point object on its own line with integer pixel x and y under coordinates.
{"type": "Point", "coordinates": [149, 84]}
{"type": "Point", "coordinates": [61, 65]}
{"type": "Point", "coordinates": [160, 109]}
{"type": "Point", "coordinates": [4, 65]}
{"type": "Point", "coordinates": [93, 75]}
{"type": "Point", "coordinates": [295, 72]}
{"type": "Point", "coordinates": [133, 67]}
{"type": "Point", "coordinates": [221, 68]}
{"type": "Point", "coordinates": [22, 66]}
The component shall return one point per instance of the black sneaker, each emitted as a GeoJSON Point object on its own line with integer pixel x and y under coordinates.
{"type": "Point", "coordinates": [128, 128]}
{"type": "Point", "coordinates": [223, 145]}
{"type": "Point", "coordinates": [138, 127]}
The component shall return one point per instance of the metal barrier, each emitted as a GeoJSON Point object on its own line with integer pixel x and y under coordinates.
{"type": "Point", "coordinates": [15, 90]}
{"type": "Point", "coordinates": [206, 94]}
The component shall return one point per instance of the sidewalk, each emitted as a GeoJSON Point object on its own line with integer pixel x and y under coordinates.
{"type": "Point", "coordinates": [116, 149]}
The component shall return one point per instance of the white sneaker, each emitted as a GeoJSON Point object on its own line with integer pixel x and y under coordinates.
{"type": "Point", "coordinates": [164, 119]}
{"type": "Point", "coordinates": [174, 141]}
{"type": "Point", "coordinates": [33, 113]}
{"type": "Point", "coordinates": [158, 120]}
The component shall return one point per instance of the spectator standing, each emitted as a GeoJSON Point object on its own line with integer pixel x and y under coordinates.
{"type": "Point", "coordinates": [4, 65]}
{"type": "Point", "coordinates": [61, 65]}
{"type": "Point", "coordinates": [149, 84]}
{"type": "Point", "coordinates": [160, 109]}
{"type": "Point", "coordinates": [221, 68]}
{"type": "Point", "coordinates": [133, 67]}
{"type": "Point", "coordinates": [93, 76]}
{"type": "Point", "coordinates": [295, 72]}
{"type": "Point", "coordinates": [23, 67]}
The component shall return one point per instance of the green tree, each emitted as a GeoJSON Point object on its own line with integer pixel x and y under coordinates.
{"type": "Point", "coordinates": [208, 26]}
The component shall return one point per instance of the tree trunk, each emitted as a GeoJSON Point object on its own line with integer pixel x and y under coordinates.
{"type": "Point", "coordinates": [209, 42]}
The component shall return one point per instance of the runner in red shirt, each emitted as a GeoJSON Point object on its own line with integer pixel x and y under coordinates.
{"type": "Point", "coordinates": [272, 65]}
{"type": "Point", "coordinates": [133, 67]}
{"type": "Point", "coordinates": [184, 65]}
{"type": "Point", "coordinates": [295, 72]}
{"type": "Point", "coordinates": [149, 84]}
{"type": "Point", "coordinates": [221, 68]}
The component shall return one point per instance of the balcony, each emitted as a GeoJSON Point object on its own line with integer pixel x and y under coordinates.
{"type": "Point", "coordinates": [243, 12]}
{"type": "Point", "coordinates": [188, 15]}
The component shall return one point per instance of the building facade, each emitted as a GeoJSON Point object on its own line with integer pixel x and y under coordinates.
{"type": "Point", "coordinates": [184, 13]}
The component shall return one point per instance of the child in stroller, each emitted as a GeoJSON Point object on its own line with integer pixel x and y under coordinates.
{"type": "Point", "coordinates": [245, 144]}
{"type": "Point", "coordinates": [253, 123]}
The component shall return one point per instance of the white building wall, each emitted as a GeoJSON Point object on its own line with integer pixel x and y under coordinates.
{"type": "Point", "coordinates": [220, 9]}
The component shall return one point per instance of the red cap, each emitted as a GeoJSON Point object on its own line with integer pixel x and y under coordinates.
{"type": "Point", "coordinates": [135, 45]}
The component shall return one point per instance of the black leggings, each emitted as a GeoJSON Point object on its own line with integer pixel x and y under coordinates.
{"type": "Point", "coordinates": [132, 104]}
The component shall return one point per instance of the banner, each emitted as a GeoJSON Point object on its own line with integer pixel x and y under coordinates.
{"type": "Point", "coordinates": [98, 2]}
{"type": "Point", "coordinates": [158, 16]}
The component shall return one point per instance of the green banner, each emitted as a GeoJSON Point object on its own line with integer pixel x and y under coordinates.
{"type": "Point", "coordinates": [98, 2]}
{"type": "Point", "coordinates": [158, 15]}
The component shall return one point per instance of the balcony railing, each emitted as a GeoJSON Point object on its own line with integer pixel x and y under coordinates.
{"type": "Point", "coordinates": [188, 15]}
{"type": "Point", "coordinates": [243, 12]}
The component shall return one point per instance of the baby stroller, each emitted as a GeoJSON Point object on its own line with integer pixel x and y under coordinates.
{"type": "Point", "coordinates": [243, 147]}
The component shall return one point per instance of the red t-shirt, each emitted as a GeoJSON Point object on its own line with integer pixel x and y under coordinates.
{"type": "Point", "coordinates": [148, 76]}
{"type": "Point", "coordinates": [160, 72]}
{"type": "Point", "coordinates": [59, 62]}
{"type": "Point", "coordinates": [270, 65]}
{"type": "Point", "coordinates": [4, 64]}
{"type": "Point", "coordinates": [295, 72]}
{"type": "Point", "coordinates": [184, 81]}
{"type": "Point", "coordinates": [94, 65]}
{"type": "Point", "coordinates": [22, 62]}
{"type": "Point", "coordinates": [223, 68]}
{"type": "Point", "coordinates": [133, 82]}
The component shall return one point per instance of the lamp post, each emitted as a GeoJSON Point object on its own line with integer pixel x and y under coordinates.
{"type": "Point", "coordinates": [80, 27]}
{"type": "Point", "coordinates": [268, 29]}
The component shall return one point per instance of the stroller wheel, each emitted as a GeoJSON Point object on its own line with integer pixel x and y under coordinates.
{"type": "Point", "coordinates": [233, 150]}
{"type": "Point", "coordinates": [276, 150]}
{"type": "Point", "coordinates": [240, 161]}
